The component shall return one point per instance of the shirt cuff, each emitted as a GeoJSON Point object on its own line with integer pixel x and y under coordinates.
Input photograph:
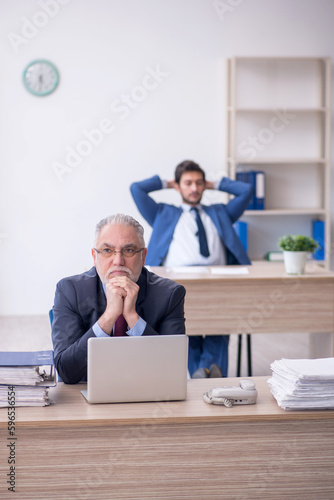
{"type": "Point", "coordinates": [98, 331]}
{"type": "Point", "coordinates": [138, 329]}
{"type": "Point", "coordinates": [164, 184]}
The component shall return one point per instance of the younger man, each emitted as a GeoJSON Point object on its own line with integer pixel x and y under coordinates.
{"type": "Point", "coordinates": [194, 234]}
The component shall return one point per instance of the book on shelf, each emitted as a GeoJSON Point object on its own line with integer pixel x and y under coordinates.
{"type": "Point", "coordinates": [274, 256]}
{"type": "Point", "coordinates": [318, 234]}
{"type": "Point", "coordinates": [241, 228]}
{"type": "Point", "coordinates": [257, 180]}
{"type": "Point", "coordinates": [277, 256]}
{"type": "Point", "coordinates": [26, 376]}
{"type": "Point", "coordinates": [243, 175]}
{"type": "Point", "coordinates": [250, 179]}
{"type": "Point", "coordinates": [259, 190]}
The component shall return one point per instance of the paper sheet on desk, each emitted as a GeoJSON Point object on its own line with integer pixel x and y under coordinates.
{"type": "Point", "coordinates": [206, 270]}
{"type": "Point", "coordinates": [229, 270]}
{"type": "Point", "coordinates": [189, 269]}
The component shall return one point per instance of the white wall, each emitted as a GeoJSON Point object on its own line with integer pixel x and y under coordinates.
{"type": "Point", "coordinates": [105, 49]}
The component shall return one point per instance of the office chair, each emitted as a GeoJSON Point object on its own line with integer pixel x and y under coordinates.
{"type": "Point", "coordinates": [51, 320]}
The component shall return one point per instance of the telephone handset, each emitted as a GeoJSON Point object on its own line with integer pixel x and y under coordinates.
{"type": "Point", "coordinates": [243, 394]}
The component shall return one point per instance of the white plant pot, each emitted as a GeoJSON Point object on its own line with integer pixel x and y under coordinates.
{"type": "Point", "coordinates": [294, 262]}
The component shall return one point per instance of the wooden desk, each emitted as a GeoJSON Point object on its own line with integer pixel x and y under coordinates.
{"type": "Point", "coordinates": [267, 300]}
{"type": "Point", "coordinates": [180, 450]}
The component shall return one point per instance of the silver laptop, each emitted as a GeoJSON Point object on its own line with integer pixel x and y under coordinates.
{"type": "Point", "coordinates": [133, 369]}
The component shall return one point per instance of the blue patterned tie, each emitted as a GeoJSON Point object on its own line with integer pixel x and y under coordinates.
{"type": "Point", "coordinates": [203, 243]}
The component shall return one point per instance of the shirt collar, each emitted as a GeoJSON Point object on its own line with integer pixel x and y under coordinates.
{"type": "Point", "coordinates": [186, 208]}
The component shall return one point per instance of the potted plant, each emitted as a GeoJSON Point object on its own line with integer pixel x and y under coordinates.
{"type": "Point", "coordinates": [295, 249]}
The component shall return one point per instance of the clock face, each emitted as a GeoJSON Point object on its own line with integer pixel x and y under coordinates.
{"type": "Point", "coordinates": [40, 77]}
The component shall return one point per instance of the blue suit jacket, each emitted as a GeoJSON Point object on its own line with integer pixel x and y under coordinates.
{"type": "Point", "coordinates": [80, 301]}
{"type": "Point", "coordinates": [163, 218]}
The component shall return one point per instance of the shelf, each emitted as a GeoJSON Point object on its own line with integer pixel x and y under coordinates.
{"type": "Point", "coordinates": [277, 108]}
{"type": "Point", "coordinates": [277, 161]}
{"type": "Point", "coordinates": [286, 211]}
{"type": "Point", "coordinates": [278, 122]}
{"type": "Point", "coordinates": [279, 58]}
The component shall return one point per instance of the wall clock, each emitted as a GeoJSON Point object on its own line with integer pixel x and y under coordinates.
{"type": "Point", "coordinates": [40, 77]}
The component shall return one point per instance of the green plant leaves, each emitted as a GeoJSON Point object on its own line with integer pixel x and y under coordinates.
{"type": "Point", "coordinates": [297, 243]}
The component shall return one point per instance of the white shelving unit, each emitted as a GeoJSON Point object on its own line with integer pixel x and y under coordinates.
{"type": "Point", "coordinates": [279, 122]}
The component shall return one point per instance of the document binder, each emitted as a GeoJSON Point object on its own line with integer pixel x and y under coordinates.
{"type": "Point", "coordinates": [259, 190]}
{"type": "Point", "coordinates": [241, 229]}
{"type": "Point", "coordinates": [318, 233]}
{"type": "Point", "coordinates": [27, 368]}
{"type": "Point", "coordinates": [250, 179]}
{"type": "Point", "coordinates": [256, 178]}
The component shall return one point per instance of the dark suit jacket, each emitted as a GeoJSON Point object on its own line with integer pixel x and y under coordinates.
{"type": "Point", "coordinates": [80, 301]}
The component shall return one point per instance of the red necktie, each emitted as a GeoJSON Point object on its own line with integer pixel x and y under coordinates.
{"type": "Point", "coordinates": [120, 326]}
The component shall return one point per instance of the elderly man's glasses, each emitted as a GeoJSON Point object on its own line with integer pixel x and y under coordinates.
{"type": "Point", "coordinates": [127, 252]}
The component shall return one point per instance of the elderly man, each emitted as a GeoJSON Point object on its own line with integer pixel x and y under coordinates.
{"type": "Point", "coordinates": [118, 296]}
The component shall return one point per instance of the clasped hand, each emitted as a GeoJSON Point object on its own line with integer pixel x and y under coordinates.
{"type": "Point", "coordinates": [122, 295]}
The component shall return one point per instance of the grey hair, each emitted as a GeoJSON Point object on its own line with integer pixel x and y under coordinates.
{"type": "Point", "coordinates": [120, 220]}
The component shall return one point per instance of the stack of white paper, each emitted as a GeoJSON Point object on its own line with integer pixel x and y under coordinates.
{"type": "Point", "coordinates": [303, 384]}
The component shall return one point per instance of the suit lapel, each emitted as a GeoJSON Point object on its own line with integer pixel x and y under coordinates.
{"type": "Point", "coordinates": [142, 283]}
{"type": "Point", "coordinates": [225, 231]}
{"type": "Point", "coordinates": [101, 296]}
{"type": "Point", "coordinates": [215, 219]}
{"type": "Point", "coordinates": [236, 253]}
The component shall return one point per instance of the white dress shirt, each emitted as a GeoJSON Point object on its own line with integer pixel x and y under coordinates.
{"type": "Point", "coordinates": [184, 247]}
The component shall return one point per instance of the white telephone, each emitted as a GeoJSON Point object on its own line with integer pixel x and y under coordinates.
{"type": "Point", "coordinates": [243, 394]}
